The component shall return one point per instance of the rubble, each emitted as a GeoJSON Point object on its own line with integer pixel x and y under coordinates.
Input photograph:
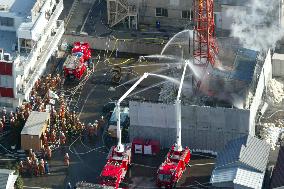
{"type": "Point", "coordinates": [269, 132]}
{"type": "Point", "coordinates": [275, 92]}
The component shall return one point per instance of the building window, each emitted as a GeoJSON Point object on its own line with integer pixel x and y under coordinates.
{"type": "Point", "coordinates": [25, 45]}
{"type": "Point", "coordinates": [162, 12]}
{"type": "Point", "coordinates": [187, 14]}
{"type": "Point", "coordinates": [6, 21]}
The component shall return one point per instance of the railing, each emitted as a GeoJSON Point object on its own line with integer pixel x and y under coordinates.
{"type": "Point", "coordinates": [44, 56]}
{"type": "Point", "coordinates": [19, 66]}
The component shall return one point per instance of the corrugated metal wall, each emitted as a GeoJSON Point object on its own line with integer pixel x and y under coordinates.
{"type": "Point", "coordinates": [203, 128]}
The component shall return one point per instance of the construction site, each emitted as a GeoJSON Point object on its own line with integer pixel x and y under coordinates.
{"type": "Point", "coordinates": [139, 94]}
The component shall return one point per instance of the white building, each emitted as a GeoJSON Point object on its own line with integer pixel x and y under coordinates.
{"type": "Point", "coordinates": [29, 33]}
{"type": "Point", "coordinates": [7, 179]}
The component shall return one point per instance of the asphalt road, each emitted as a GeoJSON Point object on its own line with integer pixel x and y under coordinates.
{"type": "Point", "coordinates": [87, 158]}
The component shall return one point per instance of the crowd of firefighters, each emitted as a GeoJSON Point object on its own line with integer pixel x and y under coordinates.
{"type": "Point", "coordinates": [63, 122]}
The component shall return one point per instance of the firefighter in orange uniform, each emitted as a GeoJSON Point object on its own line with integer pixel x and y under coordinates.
{"type": "Point", "coordinates": [41, 167]}
{"type": "Point", "coordinates": [52, 137]}
{"type": "Point", "coordinates": [62, 138]}
{"type": "Point", "coordinates": [44, 139]}
{"type": "Point", "coordinates": [30, 153]}
{"type": "Point", "coordinates": [1, 127]}
{"type": "Point", "coordinates": [48, 152]}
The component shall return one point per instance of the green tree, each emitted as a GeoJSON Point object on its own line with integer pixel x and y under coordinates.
{"type": "Point", "coordinates": [19, 184]}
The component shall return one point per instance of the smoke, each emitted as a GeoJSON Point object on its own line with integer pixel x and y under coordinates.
{"type": "Point", "coordinates": [257, 24]}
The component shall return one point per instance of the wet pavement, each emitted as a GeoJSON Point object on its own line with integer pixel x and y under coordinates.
{"type": "Point", "coordinates": [87, 157]}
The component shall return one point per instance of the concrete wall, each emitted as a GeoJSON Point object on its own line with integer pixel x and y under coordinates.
{"type": "Point", "coordinates": [265, 76]}
{"type": "Point", "coordinates": [122, 45]}
{"type": "Point", "coordinates": [203, 128]}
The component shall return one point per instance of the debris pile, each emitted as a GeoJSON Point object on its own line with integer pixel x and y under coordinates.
{"type": "Point", "coordinates": [275, 93]}
{"type": "Point", "coordinates": [270, 133]}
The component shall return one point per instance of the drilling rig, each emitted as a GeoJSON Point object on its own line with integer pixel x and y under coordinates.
{"type": "Point", "coordinates": [205, 46]}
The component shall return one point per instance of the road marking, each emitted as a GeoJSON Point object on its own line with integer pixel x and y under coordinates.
{"type": "Point", "coordinates": [141, 165]}
{"type": "Point", "coordinates": [201, 164]}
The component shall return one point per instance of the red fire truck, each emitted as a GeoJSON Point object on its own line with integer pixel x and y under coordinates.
{"type": "Point", "coordinates": [171, 170]}
{"type": "Point", "coordinates": [77, 62]}
{"type": "Point", "coordinates": [116, 167]}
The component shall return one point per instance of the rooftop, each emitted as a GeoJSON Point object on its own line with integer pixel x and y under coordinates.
{"type": "Point", "coordinates": [247, 150]}
{"type": "Point", "coordinates": [4, 176]}
{"type": "Point", "coordinates": [8, 41]}
{"type": "Point", "coordinates": [35, 123]}
{"type": "Point", "coordinates": [19, 7]}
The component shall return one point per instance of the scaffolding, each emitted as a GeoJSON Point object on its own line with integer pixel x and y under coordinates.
{"type": "Point", "coordinates": [120, 10]}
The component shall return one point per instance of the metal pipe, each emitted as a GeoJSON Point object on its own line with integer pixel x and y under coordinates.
{"type": "Point", "coordinates": [120, 147]}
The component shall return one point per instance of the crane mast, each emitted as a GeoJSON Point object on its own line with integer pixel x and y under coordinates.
{"type": "Point", "coordinates": [204, 43]}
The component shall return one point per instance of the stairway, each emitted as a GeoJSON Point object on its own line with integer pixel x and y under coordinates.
{"type": "Point", "coordinates": [119, 10]}
{"type": "Point", "coordinates": [71, 12]}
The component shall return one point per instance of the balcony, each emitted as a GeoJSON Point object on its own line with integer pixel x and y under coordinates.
{"type": "Point", "coordinates": [49, 46]}
{"type": "Point", "coordinates": [26, 58]}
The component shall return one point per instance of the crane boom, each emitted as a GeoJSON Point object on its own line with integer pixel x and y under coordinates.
{"type": "Point", "coordinates": [178, 111]}
{"type": "Point", "coordinates": [120, 147]}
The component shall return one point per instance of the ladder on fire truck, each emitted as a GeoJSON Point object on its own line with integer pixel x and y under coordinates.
{"type": "Point", "coordinates": [118, 10]}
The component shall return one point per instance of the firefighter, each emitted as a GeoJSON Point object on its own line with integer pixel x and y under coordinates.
{"type": "Point", "coordinates": [88, 129]}
{"type": "Point", "coordinates": [33, 157]}
{"type": "Point", "coordinates": [30, 153]}
{"type": "Point", "coordinates": [1, 126]}
{"type": "Point", "coordinates": [46, 167]}
{"type": "Point", "coordinates": [44, 139]}
{"type": "Point", "coordinates": [53, 137]}
{"type": "Point", "coordinates": [26, 114]}
{"type": "Point", "coordinates": [48, 152]}
{"type": "Point", "coordinates": [101, 123]}
{"type": "Point", "coordinates": [41, 167]}
{"type": "Point", "coordinates": [21, 167]}
{"type": "Point", "coordinates": [58, 80]}
{"type": "Point", "coordinates": [29, 165]}
{"type": "Point", "coordinates": [4, 111]}
{"type": "Point", "coordinates": [12, 122]}
{"type": "Point", "coordinates": [11, 114]}
{"type": "Point", "coordinates": [36, 169]}
{"type": "Point", "coordinates": [62, 138]}
{"type": "Point", "coordinates": [3, 120]}
{"type": "Point", "coordinates": [95, 127]}
{"type": "Point", "coordinates": [66, 160]}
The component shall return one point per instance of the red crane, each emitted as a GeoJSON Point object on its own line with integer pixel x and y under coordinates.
{"type": "Point", "coordinates": [204, 43]}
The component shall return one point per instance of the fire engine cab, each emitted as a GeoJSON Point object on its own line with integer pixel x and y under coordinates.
{"type": "Point", "coordinates": [171, 170]}
{"type": "Point", "coordinates": [76, 63]}
{"type": "Point", "coordinates": [116, 167]}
